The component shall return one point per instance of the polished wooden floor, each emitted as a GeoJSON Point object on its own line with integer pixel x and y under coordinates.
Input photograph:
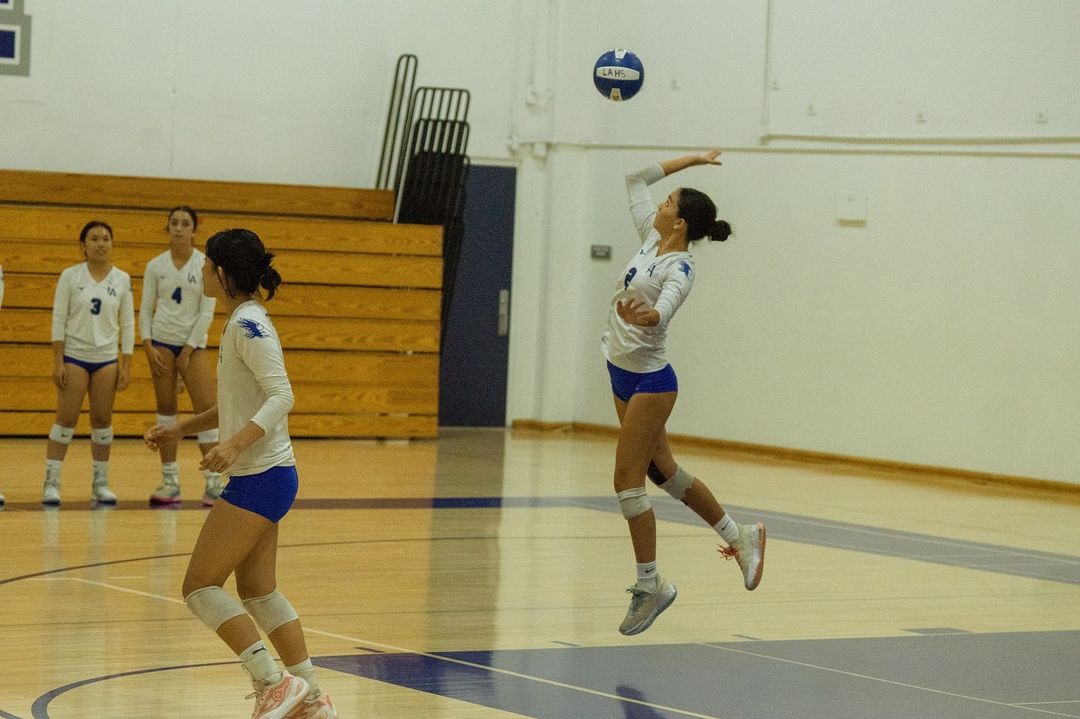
{"type": "Point", "coordinates": [482, 575]}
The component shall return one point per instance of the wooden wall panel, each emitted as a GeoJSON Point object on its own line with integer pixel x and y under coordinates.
{"type": "Point", "coordinates": [108, 191]}
{"type": "Point", "coordinates": [143, 227]}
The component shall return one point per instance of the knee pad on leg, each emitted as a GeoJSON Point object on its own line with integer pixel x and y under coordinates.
{"type": "Point", "coordinates": [61, 434]}
{"type": "Point", "coordinates": [166, 420]}
{"type": "Point", "coordinates": [213, 606]}
{"type": "Point", "coordinates": [210, 436]}
{"type": "Point", "coordinates": [270, 611]}
{"type": "Point", "coordinates": [678, 484]}
{"type": "Point", "coordinates": [101, 435]}
{"type": "Point", "coordinates": [634, 502]}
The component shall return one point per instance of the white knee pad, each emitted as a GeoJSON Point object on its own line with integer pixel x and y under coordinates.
{"type": "Point", "coordinates": [634, 502]}
{"type": "Point", "coordinates": [165, 420]}
{"type": "Point", "coordinates": [61, 434]}
{"type": "Point", "coordinates": [101, 435]}
{"type": "Point", "coordinates": [210, 436]}
{"type": "Point", "coordinates": [270, 611]}
{"type": "Point", "coordinates": [677, 485]}
{"type": "Point", "coordinates": [213, 606]}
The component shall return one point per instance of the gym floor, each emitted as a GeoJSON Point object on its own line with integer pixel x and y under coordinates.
{"type": "Point", "coordinates": [483, 575]}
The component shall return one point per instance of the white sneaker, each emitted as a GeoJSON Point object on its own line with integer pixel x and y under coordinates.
{"type": "Point", "coordinates": [168, 492]}
{"type": "Point", "coordinates": [645, 607]}
{"type": "Point", "coordinates": [50, 493]}
{"type": "Point", "coordinates": [214, 487]}
{"type": "Point", "coordinates": [279, 700]}
{"type": "Point", "coordinates": [749, 551]}
{"type": "Point", "coordinates": [101, 493]}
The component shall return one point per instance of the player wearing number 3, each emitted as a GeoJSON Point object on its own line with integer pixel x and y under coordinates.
{"type": "Point", "coordinates": [174, 318]}
{"type": "Point", "coordinates": [651, 289]}
{"type": "Point", "coordinates": [92, 313]}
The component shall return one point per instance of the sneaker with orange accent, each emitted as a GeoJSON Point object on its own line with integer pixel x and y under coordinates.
{"type": "Point", "coordinates": [278, 700]}
{"type": "Point", "coordinates": [749, 551]}
{"type": "Point", "coordinates": [168, 492]}
{"type": "Point", "coordinates": [321, 708]}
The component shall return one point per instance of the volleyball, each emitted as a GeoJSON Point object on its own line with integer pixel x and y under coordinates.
{"type": "Point", "coordinates": [618, 74]}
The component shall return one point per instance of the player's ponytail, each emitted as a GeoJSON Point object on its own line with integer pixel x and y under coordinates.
{"type": "Point", "coordinates": [270, 277]}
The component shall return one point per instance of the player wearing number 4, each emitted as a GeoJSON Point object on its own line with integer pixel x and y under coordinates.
{"type": "Point", "coordinates": [92, 313]}
{"type": "Point", "coordinates": [174, 318]}
{"type": "Point", "coordinates": [653, 286]}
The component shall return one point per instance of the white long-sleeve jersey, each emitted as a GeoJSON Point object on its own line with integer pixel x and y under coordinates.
{"type": "Point", "coordinates": [91, 317]}
{"type": "Point", "coordinates": [663, 282]}
{"type": "Point", "coordinates": [253, 386]}
{"type": "Point", "coordinates": [173, 308]}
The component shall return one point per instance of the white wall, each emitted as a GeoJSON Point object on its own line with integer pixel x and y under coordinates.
{"type": "Point", "coordinates": [942, 331]}
{"type": "Point", "coordinates": [267, 90]}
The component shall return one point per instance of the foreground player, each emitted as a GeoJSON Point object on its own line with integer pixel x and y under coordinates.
{"type": "Point", "coordinates": [92, 311]}
{"type": "Point", "coordinates": [653, 286]}
{"type": "Point", "coordinates": [174, 317]}
{"type": "Point", "coordinates": [241, 531]}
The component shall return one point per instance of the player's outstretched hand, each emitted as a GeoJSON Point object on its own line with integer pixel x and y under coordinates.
{"type": "Point", "coordinates": [158, 435]}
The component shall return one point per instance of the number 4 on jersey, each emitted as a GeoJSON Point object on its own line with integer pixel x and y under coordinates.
{"type": "Point", "coordinates": [177, 296]}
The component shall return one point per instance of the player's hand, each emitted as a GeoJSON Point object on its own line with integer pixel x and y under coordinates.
{"type": "Point", "coordinates": [156, 358]}
{"type": "Point", "coordinates": [710, 157]}
{"type": "Point", "coordinates": [123, 379]}
{"type": "Point", "coordinates": [219, 458]}
{"type": "Point", "coordinates": [159, 435]}
{"type": "Point", "coordinates": [59, 376]}
{"type": "Point", "coordinates": [636, 312]}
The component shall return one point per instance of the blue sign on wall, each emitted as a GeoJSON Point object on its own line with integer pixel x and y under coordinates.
{"type": "Point", "coordinates": [14, 38]}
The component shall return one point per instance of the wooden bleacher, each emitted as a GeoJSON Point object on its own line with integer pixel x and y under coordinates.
{"type": "Point", "coordinates": [358, 312]}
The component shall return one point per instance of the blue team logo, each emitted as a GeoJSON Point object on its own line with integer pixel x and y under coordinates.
{"type": "Point", "coordinates": [684, 267]}
{"type": "Point", "coordinates": [253, 329]}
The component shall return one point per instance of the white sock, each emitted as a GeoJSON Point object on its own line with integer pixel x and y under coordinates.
{"type": "Point", "coordinates": [171, 469]}
{"type": "Point", "coordinates": [646, 576]}
{"type": "Point", "coordinates": [306, 671]}
{"type": "Point", "coordinates": [101, 471]}
{"type": "Point", "coordinates": [261, 665]}
{"type": "Point", "coordinates": [52, 469]}
{"type": "Point", "coordinates": [727, 529]}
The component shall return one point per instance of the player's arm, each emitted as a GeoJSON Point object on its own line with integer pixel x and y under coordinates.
{"type": "Point", "coordinates": [681, 163]}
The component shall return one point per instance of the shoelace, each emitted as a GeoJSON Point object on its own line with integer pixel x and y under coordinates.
{"type": "Point", "coordinates": [637, 597]}
{"type": "Point", "coordinates": [728, 552]}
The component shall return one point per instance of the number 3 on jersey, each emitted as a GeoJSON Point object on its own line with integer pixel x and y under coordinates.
{"type": "Point", "coordinates": [176, 296]}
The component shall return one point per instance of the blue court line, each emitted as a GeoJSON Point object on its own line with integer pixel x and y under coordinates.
{"type": "Point", "coordinates": [5, 715]}
{"type": "Point", "coordinates": [957, 676]}
{"type": "Point", "coordinates": [40, 708]}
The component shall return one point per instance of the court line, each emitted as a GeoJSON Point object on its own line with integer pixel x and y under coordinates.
{"type": "Point", "coordinates": [882, 680]}
{"type": "Point", "coordinates": [403, 650]}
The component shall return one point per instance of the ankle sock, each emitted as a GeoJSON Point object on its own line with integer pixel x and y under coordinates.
{"type": "Point", "coordinates": [727, 529]}
{"type": "Point", "coordinates": [647, 576]}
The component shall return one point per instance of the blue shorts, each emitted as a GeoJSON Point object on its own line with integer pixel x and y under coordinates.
{"type": "Point", "coordinates": [90, 367]}
{"type": "Point", "coordinates": [625, 384]}
{"type": "Point", "coordinates": [269, 494]}
{"type": "Point", "coordinates": [175, 349]}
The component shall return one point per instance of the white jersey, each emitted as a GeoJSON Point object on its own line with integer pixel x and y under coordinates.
{"type": "Point", "coordinates": [663, 282]}
{"type": "Point", "coordinates": [174, 310]}
{"type": "Point", "coordinates": [91, 317]}
{"type": "Point", "coordinates": [254, 387]}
